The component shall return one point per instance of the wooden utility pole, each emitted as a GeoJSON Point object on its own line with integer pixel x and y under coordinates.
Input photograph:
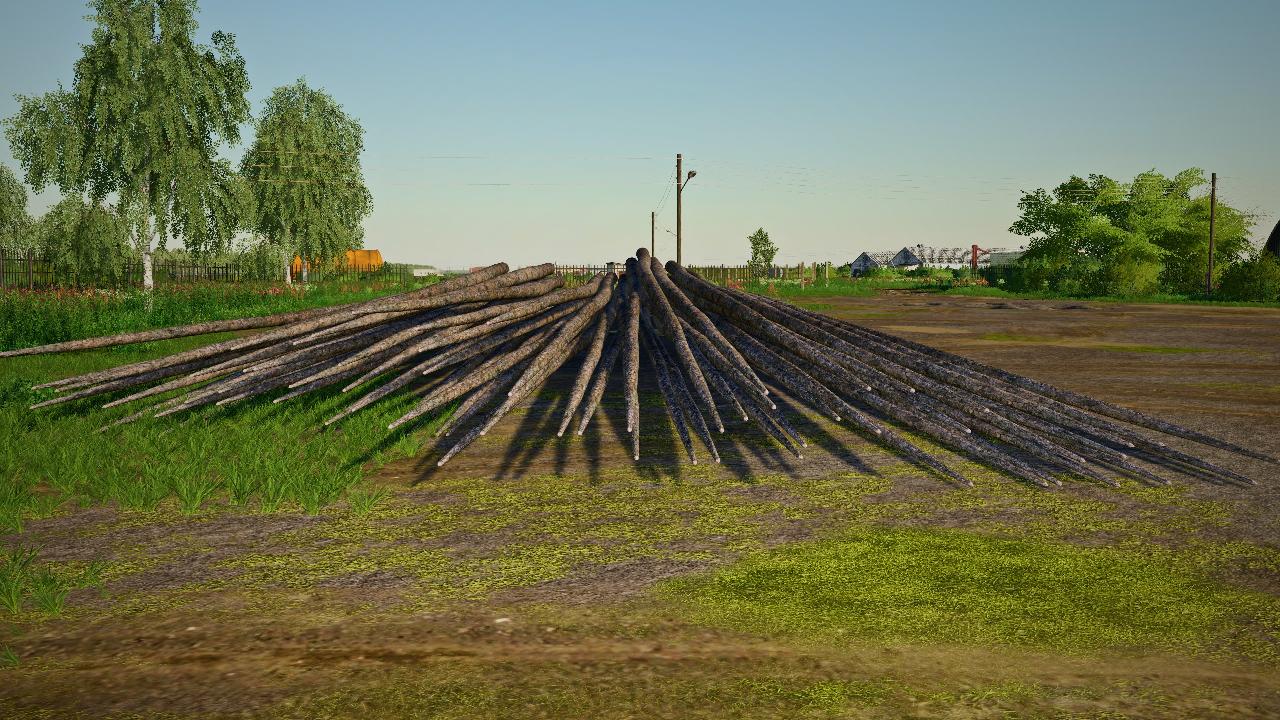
{"type": "Point", "coordinates": [1213, 211]}
{"type": "Point", "coordinates": [653, 224]}
{"type": "Point", "coordinates": [679, 238]}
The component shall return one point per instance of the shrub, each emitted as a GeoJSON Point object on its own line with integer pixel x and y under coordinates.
{"type": "Point", "coordinates": [1256, 279]}
{"type": "Point", "coordinates": [1128, 277]}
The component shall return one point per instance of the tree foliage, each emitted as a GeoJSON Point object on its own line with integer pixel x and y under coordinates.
{"type": "Point", "coordinates": [1100, 236]}
{"type": "Point", "coordinates": [304, 167]}
{"type": "Point", "coordinates": [14, 219]}
{"type": "Point", "coordinates": [1256, 279]}
{"type": "Point", "coordinates": [763, 252]}
{"type": "Point", "coordinates": [143, 120]}
{"type": "Point", "coordinates": [83, 240]}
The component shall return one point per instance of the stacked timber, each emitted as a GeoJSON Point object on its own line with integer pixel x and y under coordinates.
{"type": "Point", "coordinates": [480, 344]}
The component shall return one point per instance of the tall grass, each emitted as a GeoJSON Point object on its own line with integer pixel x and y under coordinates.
{"type": "Point", "coordinates": [29, 585]}
{"type": "Point", "coordinates": [254, 454]}
{"type": "Point", "coordinates": [39, 317]}
{"type": "Point", "coordinates": [835, 287]}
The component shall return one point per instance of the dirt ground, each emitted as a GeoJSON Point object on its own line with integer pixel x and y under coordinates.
{"type": "Point", "coordinates": [234, 615]}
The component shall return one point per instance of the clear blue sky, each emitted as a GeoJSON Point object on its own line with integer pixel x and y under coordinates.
{"type": "Point", "coordinates": [535, 131]}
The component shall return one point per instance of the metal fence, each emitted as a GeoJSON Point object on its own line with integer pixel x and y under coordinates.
{"type": "Point", "coordinates": [30, 271]}
{"type": "Point", "coordinates": [737, 274]}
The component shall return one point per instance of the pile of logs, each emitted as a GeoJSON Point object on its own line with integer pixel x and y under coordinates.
{"type": "Point", "coordinates": [482, 343]}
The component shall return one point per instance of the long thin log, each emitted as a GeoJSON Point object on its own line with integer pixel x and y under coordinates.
{"type": "Point", "coordinates": [587, 368]}
{"type": "Point", "coordinates": [631, 357]}
{"type": "Point", "coordinates": [481, 398]}
{"type": "Point", "coordinates": [698, 319]}
{"type": "Point", "coordinates": [491, 369]}
{"type": "Point", "coordinates": [564, 343]}
{"type": "Point", "coordinates": [601, 379]}
{"type": "Point", "coordinates": [479, 350]}
{"type": "Point", "coordinates": [670, 326]}
{"type": "Point", "coordinates": [551, 357]}
{"type": "Point", "coordinates": [681, 390]}
{"type": "Point", "coordinates": [669, 397]}
{"type": "Point", "coordinates": [217, 326]}
{"type": "Point", "coordinates": [494, 327]}
{"type": "Point", "coordinates": [522, 283]}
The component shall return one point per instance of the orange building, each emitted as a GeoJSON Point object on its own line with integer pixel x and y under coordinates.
{"type": "Point", "coordinates": [354, 259]}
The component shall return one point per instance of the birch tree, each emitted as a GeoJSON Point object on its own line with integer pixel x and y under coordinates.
{"type": "Point", "coordinates": [14, 219]}
{"type": "Point", "coordinates": [142, 123]}
{"type": "Point", "coordinates": [304, 172]}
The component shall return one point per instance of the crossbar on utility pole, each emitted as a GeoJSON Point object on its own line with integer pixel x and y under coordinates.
{"type": "Point", "coordinates": [679, 189]}
{"type": "Point", "coordinates": [1213, 211]}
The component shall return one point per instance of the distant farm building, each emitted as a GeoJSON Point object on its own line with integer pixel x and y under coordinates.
{"type": "Point", "coordinates": [1003, 257]}
{"type": "Point", "coordinates": [863, 263]}
{"type": "Point", "coordinates": [354, 259]}
{"type": "Point", "coordinates": [954, 258]}
{"type": "Point", "coordinates": [906, 260]}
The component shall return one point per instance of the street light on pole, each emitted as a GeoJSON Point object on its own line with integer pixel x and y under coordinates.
{"type": "Point", "coordinates": [680, 183]}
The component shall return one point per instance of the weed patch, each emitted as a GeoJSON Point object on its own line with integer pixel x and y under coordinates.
{"type": "Point", "coordinates": [28, 585]}
{"type": "Point", "coordinates": [935, 586]}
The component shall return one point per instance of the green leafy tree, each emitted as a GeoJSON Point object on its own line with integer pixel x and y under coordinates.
{"type": "Point", "coordinates": [84, 243]}
{"type": "Point", "coordinates": [1099, 236]}
{"type": "Point", "coordinates": [14, 219]}
{"type": "Point", "coordinates": [143, 120]}
{"type": "Point", "coordinates": [304, 167]}
{"type": "Point", "coordinates": [1256, 279]}
{"type": "Point", "coordinates": [763, 252]}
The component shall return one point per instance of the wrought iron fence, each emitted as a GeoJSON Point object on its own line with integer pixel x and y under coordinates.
{"type": "Point", "coordinates": [28, 270]}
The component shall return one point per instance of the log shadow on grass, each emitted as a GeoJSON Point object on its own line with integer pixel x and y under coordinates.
{"type": "Point", "coordinates": [535, 434]}
{"type": "Point", "coordinates": [817, 435]}
{"type": "Point", "coordinates": [417, 389]}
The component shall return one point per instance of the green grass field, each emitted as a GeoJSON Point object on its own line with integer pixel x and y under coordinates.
{"type": "Point", "coordinates": [959, 588]}
{"type": "Point", "coordinates": [262, 455]}
{"type": "Point", "coordinates": [144, 566]}
{"type": "Point", "coordinates": [258, 454]}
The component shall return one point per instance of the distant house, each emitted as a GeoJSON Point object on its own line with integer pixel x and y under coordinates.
{"type": "Point", "coordinates": [864, 263]}
{"type": "Point", "coordinates": [906, 260]}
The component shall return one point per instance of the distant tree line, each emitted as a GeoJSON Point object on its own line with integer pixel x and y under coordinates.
{"type": "Point", "coordinates": [1099, 236]}
{"type": "Point", "coordinates": [133, 147]}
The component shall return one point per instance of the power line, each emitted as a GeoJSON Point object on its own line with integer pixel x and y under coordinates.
{"type": "Point", "coordinates": [665, 194]}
